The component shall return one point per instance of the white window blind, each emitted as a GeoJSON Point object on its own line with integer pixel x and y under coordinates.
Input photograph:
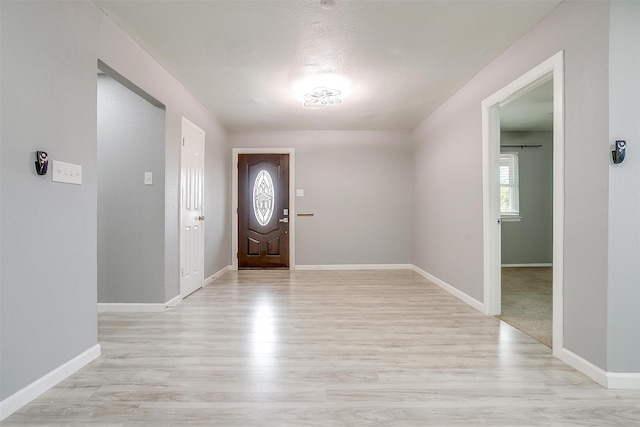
{"type": "Point", "coordinates": [509, 185]}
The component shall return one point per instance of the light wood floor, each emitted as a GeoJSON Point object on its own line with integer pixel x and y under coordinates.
{"type": "Point", "coordinates": [346, 348]}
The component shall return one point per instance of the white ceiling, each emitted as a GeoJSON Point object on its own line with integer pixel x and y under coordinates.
{"type": "Point", "coordinates": [396, 61]}
{"type": "Point", "coordinates": [532, 111]}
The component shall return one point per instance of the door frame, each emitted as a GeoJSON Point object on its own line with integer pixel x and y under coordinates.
{"type": "Point", "coordinates": [234, 200]}
{"type": "Point", "coordinates": [552, 68]}
{"type": "Point", "coordinates": [188, 122]}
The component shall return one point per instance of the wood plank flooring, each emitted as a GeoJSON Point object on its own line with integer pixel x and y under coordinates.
{"type": "Point", "coordinates": [324, 348]}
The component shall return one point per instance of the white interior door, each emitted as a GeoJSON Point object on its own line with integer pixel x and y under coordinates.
{"type": "Point", "coordinates": [191, 212]}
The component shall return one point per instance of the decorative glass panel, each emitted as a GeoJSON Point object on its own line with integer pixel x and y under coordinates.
{"type": "Point", "coordinates": [263, 197]}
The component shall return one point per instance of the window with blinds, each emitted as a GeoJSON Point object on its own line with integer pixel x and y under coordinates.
{"type": "Point", "coordinates": [509, 185]}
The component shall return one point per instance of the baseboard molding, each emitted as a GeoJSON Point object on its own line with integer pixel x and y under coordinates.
{"type": "Point", "coordinates": [20, 398]}
{"type": "Point", "coordinates": [609, 380]}
{"type": "Point", "coordinates": [131, 307]}
{"type": "Point", "coordinates": [209, 280]}
{"type": "Point", "coordinates": [447, 287]}
{"type": "Point", "coordinates": [542, 264]}
{"type": "Point", "coordinates": [597, 374]}
{"type": "Point", "coordinates": [622, 381]}
{"type": "Point", "coordinates": [173, 301]}
{"type": "Point", "coordinates": [355, 267]}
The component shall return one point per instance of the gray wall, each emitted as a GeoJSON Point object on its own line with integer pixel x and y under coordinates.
{"type": "Point", "coordinates": [49, 230]}
{"type": "Point", "coordinates": [130, 214]}
{"type": "Point", "coordinates": [357, 184]}
{"type": "Point", "coordinates": [48, 312]}
{"type": "Point", "coordinates": [624, 188]}
{"type": "Point", "coordinates": [451, 232]}
{"type": "Point", "coordinates": [121, 53]}
{"type": "Point", "coordinates": [530, 241]}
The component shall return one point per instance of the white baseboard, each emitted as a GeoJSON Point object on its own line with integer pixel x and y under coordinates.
{"type": "Point", "coordinates": [597, 374]}
{"type": "Point", "coordinates": [173, 301]}
{"type": "Point", "coordinates": [20, 398]}
{"type": "Point", "coordinates": [610, 380]}
{"type": "Point", "coordinates": [209, 280]}
{"type": "Point", "coordinates": [447, 287]}
{"type": "Point", "coordinates": [131, 307]}
{"type": "Point", "coordinates": [541, 264]}
{"type": "Point", "coordinates": [355, 267]}
{"type": "Point", "coordinates": [623, 381]}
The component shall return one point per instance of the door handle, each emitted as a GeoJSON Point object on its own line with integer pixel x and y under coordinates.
{"type": "Point", "coordinates": [201, 218]}
{"type": "Point", "coordinates": [285, 220]}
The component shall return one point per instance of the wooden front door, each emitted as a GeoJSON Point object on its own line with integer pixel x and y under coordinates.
{"type": "Point", "coordinates": [263, 211]}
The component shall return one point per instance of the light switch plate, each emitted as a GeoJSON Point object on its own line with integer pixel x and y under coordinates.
{"type": "Point", "coordinates": [299, 192]}
{"type": "Point", "coordinates": [148, 178]}
{"type": "Point", "coordinates": [66, 172]}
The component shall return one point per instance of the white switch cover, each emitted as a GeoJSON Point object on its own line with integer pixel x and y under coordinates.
{"type": "Point", "coordinates": [148, 178]}
{"type": "Point", "coordinates": [66, 172]}
{"type": "Point", "coordinates": [299, 192]}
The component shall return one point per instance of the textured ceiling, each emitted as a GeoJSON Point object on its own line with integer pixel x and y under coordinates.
{"type": "Point", "coordinates": [395, 61]}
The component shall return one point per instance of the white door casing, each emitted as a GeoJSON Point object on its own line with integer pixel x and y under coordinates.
{"type": "Point", "coordinates": [552, 68]}
{"type": "Point", "coordinates": [191, 210]}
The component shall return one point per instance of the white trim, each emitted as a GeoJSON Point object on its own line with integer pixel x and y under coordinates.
{"type": "Point", "coordinates": [552, 68]}
{"type": "Point", "coordinates": [131, 307]}
{"type": "Point", "coordinates": [209, 280]}
{"type": "Point", "coordinates": [623, 381]}
{"type": "Point", "coordinates": [540, 264]}
{"type": "Point", "coordinates": [234, 200]}
{"type": "Point", "coordinates": [582, 365]}
{"type": "Point", "coordinates": [558, 200]}
{"type": "Point", "coordinates": [447, 287]}
{"type": "Point", "coordinates": [20, 398]}
{"type": "Point", "coordinates": [610, 380]}
{"type": "Point", "coordinates": [356, 267]}
{"type": "Point", "coordinates": [173, 301]}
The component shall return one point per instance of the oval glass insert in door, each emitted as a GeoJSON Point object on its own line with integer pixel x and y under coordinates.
{"type": "Point", "coordinates": [263, 197]}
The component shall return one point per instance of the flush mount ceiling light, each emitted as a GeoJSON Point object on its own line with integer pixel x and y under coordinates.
{"type": "Point", "coordinates": [320, 97]}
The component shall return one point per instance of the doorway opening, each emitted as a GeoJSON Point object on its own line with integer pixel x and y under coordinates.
{"type": "Point", "coordinates": [263, 208]}
{"type": "Point", "coordinates": [526, 208]}
{"type": "Point", "coordinates": [130, 193]}
{"type": "Point", "coordinates": [549, 72]}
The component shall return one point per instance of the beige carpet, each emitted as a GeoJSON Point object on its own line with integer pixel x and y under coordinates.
{"type": "Point", "coordinates": [527, 298]}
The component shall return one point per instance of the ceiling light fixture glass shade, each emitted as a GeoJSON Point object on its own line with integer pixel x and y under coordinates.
{"type": "Point", "coordinates": [320, 97]}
